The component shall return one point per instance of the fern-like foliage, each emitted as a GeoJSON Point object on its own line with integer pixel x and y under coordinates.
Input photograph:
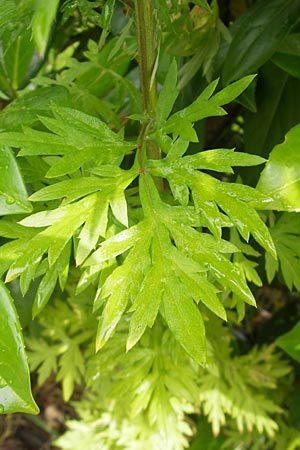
{"type": "Point", "coordinates": [61, 340]}
{"type": "Point", "coordinates": [142, 398]}
{"type": "Point", "coordinates": [229, 387]}
{"type": "Point", "coordinates": [98, 86]}
{"type": "Point", "coordinates": [164, 253]}
{"type": "Point", "coordinates": [285, 234]}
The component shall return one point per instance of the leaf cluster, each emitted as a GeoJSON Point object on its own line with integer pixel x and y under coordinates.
{"type": "Point", "coordinates": [164, 234]}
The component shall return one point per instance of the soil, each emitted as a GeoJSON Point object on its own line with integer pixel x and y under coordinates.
{"type": "Point", "coordinates": [27, 432]}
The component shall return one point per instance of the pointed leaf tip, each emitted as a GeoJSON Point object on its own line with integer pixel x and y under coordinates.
{"type": "Point", "coordinates": [15, 395]}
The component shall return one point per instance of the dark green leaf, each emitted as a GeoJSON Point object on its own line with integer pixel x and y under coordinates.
{"type": "Point", "coordinates": [257, 35]}
{"type": "Point", "coordinates": [278, 97]}
{"type": "Point", "coordinates": [288, 55]}
{"type": "Point", "coordinates": [19, 61]}
{"type": "Point", "coordinates": [24, 110]}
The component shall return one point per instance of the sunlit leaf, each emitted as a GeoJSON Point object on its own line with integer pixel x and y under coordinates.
{"type": "Point", "coordinates": [281, 177]}
{"type": "Point", "coordinates": [43, 17]}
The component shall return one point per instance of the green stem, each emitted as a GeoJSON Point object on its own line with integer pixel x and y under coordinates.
{"type": "Point", "coordinates": [145, 28]}
{"type": "Point", "coordinates": [147, 32]}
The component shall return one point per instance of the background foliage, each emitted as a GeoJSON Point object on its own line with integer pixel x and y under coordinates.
{"type": "Point", "coordinates": [149, 154]}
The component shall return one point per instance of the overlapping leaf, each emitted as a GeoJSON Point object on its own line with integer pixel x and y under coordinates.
{"type": "Point", "coordinates": [88, 139]}
{"type": "Point", "coordinates": [166, 258]}
{"type": "Point", "coordinates": [211, 196]}
{"type": "Point", "coordinates": [60, 225]}
{"type": "Point", "coordinates": [257, 35]}
{"type": "Point", "coordinates": [165, 270]}
{"type": "Point", "coordinates": [205, 105]}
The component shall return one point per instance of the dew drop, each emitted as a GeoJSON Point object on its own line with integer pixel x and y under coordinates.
{"type": "Point", "coordinates": [10, 200]}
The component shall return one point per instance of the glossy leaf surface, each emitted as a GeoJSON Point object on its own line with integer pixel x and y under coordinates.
{"type": "Point", "coordinates": [15, 391]}
{"type": "Point", "coordinates": [13, 195]}
{"type": "Point", "coordinates": [288, 55]}
{"type": "Point", "coordinates": [281, 177]}
{"type": "Point", "coordinates": [257, 35]}
{"type": "Point", "coordinates": [19, 61]}
{"type": "Point", "coordinates": [205, 105]}
{"type": "Point", "coordinates": [277, 96]}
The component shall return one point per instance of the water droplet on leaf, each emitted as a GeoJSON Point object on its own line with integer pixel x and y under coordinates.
{"type": "Point", "coordinates": [10, 200]}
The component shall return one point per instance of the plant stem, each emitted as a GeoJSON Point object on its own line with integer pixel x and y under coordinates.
{"type": "Point", "coordinates": [146, 30]}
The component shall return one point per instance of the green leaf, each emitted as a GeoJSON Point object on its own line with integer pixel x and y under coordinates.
{"type": "Point", "coordinates": [15, 391]}
{"type": "Point", "coordinates": [43, 17]}
{"type": "Point", "coordinates": [118, 205]}
{"type": "Point", "coordinates": [146, 305]}
{"type": "Point", "coordinates": [44, 291]}
{"type": "Point", "coordinates": [205, 249]}
{"type": "Point", "coordinates": [285, 234]}
{"type": "Point", "coordinates": [257, 35]}
{"type": "Point", "coordinates": [272, 265]}
{"type": "Point", "coordinates": [94, 227]}
{"type": "Point", "coordinates": [250, 222]}
{"type": "Point", "coordinates": [236, 200]}
{"type": "Point", "coordinates": [24, 110]}
{"type": "Point", "coordinates": [59, 271]}
{"type": "Point", "coordinates": [288, 63]}
{"type": "Point", "coordinates": [220, 160]}
{"type": "Point", "coordinates": [290, 342]}
{"type": "Point", "coordinates": [288, 56]}
{"type": "Point", "coordinates": [19, 61]}
{"type": "Point", "coordinates": [278, 96]}
{"type": "Point", "coordinates": [206, 105]}
{"type": "Point", "coordinates": [117, 244]}
{"type": "Point", "coordinates": [42, 356]}
{"type": "Point", "coordinates": [70, 190]}
{"type": "Point", "coordinates": [281, 177]}
{"type": "Point", "coordinates": [12, 230]}
{"type": "Point", "coordinates": [167, 95]}
{"type": "Point", "coordinates": [72, 357]}
{"type": "Point", "coordinates": [63, 223]}
{"type": "Point", "coordinates": [86, 138]}
{"type": "Point", "coordinates": [123, 284]}
{"type": "Point", "coordinates": [184, 320]}
{"type": "Point", "coordinates": [13, 195]}
{"type": "Point", "coordinates": [202, 290]}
